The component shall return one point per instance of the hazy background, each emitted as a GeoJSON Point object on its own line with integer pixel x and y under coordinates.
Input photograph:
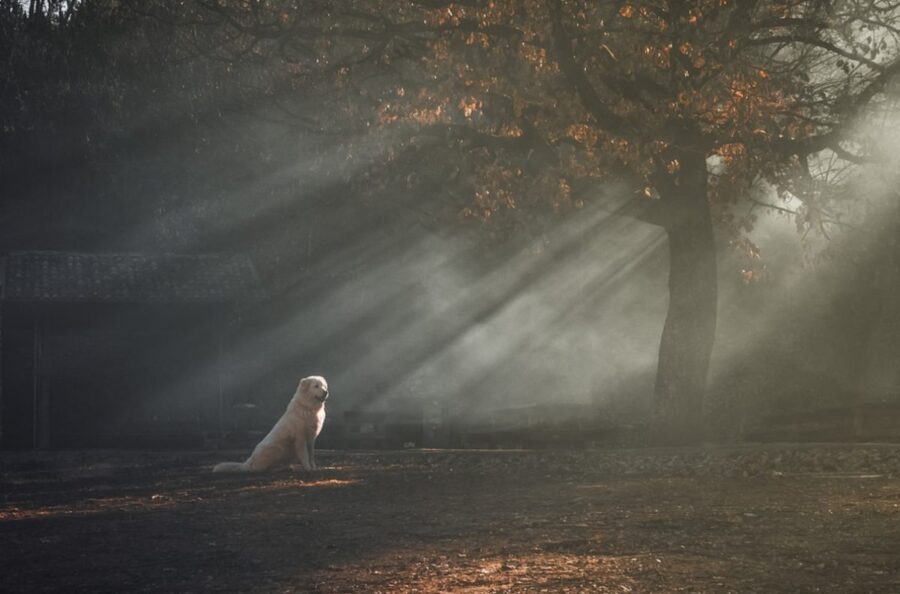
{"type": "Point", "coordinates": [399, 298]}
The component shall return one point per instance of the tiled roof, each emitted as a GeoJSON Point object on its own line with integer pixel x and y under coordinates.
{"type": "Point", "coordinates": [67, 277]}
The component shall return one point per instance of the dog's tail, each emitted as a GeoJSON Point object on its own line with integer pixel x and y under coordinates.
{"type": "Point", "coordinates": [231, 467]}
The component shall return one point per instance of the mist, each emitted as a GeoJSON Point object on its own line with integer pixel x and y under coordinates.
{"type": "Point", "coordinates": [377, 280]}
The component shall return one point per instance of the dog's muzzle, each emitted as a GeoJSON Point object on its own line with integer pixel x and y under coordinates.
{"type": "Point", "coordinates": [323, 397]}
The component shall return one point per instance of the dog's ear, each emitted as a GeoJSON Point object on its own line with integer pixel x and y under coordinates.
{"type": "Point", "coordinates": [304, 384]}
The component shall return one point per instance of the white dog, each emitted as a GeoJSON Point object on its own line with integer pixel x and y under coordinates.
{"type": "Point", "coordinates": [294, 435]}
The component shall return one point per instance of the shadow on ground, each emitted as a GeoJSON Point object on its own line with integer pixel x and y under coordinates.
{"type": "Point", "coordinates": [767, 519]}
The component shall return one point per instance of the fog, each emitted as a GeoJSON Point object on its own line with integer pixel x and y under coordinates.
{"type": "Point", "coordinates": [402, 303]}
{"type": "Point", "coordinates": [574, 317]}
{"type": "Point", "coordinates": [402, 311]}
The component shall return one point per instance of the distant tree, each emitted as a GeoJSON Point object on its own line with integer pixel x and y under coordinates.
{"type": "Point", "coordinates": [531, 106]}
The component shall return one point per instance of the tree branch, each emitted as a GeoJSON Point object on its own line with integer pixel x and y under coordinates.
{"type": "Point", "coordinates": [814, 41]}
{"type": "Point", "coordinates": [853, 106]}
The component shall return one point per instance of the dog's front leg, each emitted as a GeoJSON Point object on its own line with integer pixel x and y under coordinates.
{"type": "Point", "coordinates": [303, 453]}
{"type": "Point", "coordinates": [311, 446]}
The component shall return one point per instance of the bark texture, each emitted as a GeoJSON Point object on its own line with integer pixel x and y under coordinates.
{"type": "Point", "coordinates": [689, 332]}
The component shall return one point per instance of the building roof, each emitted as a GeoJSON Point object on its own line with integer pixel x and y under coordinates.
{"type": "Point", "coordinates": [68, 277]}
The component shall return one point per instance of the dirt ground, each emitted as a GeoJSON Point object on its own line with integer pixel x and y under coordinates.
{"type": "Point", "coordinates": [752, 519]}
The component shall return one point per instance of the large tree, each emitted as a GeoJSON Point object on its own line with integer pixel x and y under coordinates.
{"type": "Point", "coordinates": [535, 105]}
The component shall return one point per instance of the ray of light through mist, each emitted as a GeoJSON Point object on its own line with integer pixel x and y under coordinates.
{"type": "Point", "coordinates": [572, 317]}
{"type": "Point", "coordinates": [576, 316]}
{"type": "Point", "coordinates": [389, 309]}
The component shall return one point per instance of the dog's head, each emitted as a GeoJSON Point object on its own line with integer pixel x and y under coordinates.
{"type": "Point", "coordinates": [315, 388]}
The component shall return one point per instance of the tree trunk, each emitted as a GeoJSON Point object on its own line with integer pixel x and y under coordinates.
{"type": "Point", "coordinates": [688, 335]}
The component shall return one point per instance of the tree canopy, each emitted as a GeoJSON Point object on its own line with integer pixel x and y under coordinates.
{"type": "Point", "coordinates": [545, 97]}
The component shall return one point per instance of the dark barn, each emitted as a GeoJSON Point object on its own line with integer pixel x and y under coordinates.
{"type": "Point", "coordinates": [113, 350]}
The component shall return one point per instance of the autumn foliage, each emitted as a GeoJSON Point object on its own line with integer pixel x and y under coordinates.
{"type": "Point", "coordinates": [545, 98]}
